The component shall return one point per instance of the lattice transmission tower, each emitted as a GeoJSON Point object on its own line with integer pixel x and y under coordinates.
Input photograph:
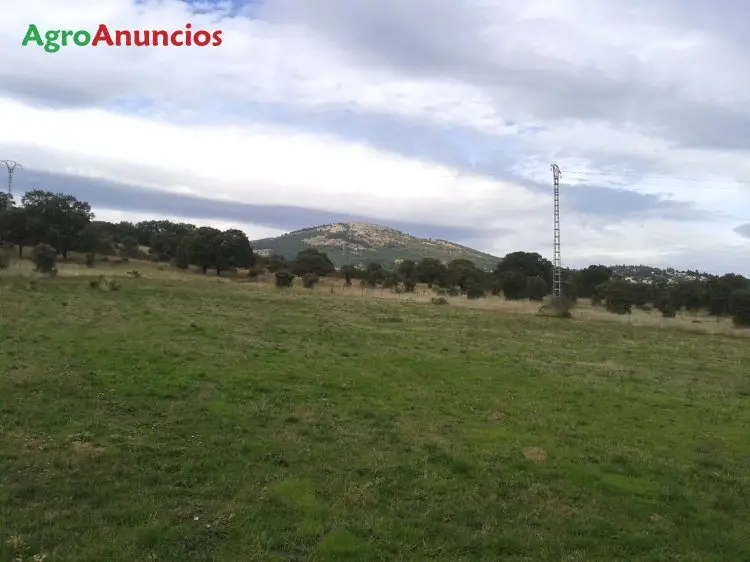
{"type": "Point", "coordinates": [556, 260]}
{"type": "Point", "coordinates": [12, 166]}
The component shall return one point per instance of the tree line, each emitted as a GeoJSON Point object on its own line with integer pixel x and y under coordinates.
{"type": "Point", "coordinates": [55, 224]}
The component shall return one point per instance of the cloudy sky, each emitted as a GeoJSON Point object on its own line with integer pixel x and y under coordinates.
{"type": "Point", "coordinates": [438, 117]}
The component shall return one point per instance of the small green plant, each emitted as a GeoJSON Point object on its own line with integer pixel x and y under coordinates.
{"type": "Point", "coordinates": [135, 274]}
{"type": "Point", "coordinates": [90, 259]}
{"type": "Point", "coordinates": [668, 312]}
{"type": "Point", "coordinates": [439, 300]}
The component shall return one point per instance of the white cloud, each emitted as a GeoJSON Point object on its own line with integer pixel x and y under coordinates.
{"type": "Point", "coordinates": [191, 131]}
{"type": "Point", "coordinates": [253, 231]}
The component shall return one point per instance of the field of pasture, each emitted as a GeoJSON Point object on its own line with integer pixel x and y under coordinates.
{"type": "Point", "coordinates": [176, 417]}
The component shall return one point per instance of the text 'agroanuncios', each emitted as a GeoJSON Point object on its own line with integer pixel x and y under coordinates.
{"type": "Point", "coordinates": [54, 39]}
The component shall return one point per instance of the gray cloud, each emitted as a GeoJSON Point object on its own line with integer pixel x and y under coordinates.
{"type": "Point", "coordinates": [743, 230]}
{"type": "Point", "coordinates": [122, 197]}
{"type": "Point", "coordinates": [442, 38]}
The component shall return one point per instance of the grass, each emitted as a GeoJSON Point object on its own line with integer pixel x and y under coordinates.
{"type": "Point", "coordinates": [174, 420]}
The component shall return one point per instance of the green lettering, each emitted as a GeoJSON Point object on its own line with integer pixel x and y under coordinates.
{"type": "Point", "coordinates": [32, 34]}
{"type": "Point", "coordinates": [65, 36]}
{"type": "Point", "coordinates": [51, 37]}
{"type": "Point", "coordinates": [82, 38]}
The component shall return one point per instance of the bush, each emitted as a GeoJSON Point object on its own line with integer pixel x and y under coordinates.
{"type": "Point", "coordinates": [475, 291]}
{"type": "Point", "coordinates": [4, 259]}
{"type": "Point", "coordinates": [410, 285]}
{"type": "Point", "coordinates": [558, 307]}
{"type": "Point", "coordinates": [668, 312]}
{"type": "Point", "coordinates": [44, 257]}
{"type": "Point", "coordinates": [310, 280]}
{"type": "Point", "coordinates": [453, 291]}
{"type": "Point", "coordinates": [741, 318]}
{"type": "Point", "coordinates": [439, 300]}
{"type": "Point", "coordinates": [90, 259]}
{"type": "Point", "coordinates": [284, 279]}
{"type": "Point", "coordinates": [254, 272]}
{"type": "Point", "coordinates": [104, 284]}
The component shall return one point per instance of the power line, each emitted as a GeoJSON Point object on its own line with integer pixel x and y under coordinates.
{"type": "Point", "coordinates": [653, 176]}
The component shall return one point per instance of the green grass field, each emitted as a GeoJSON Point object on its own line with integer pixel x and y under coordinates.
{"type": "Point", "coordinates": [175, 420]}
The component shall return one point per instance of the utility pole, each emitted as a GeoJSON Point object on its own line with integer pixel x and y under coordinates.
{"type": "Point", "coordinates": [556, 261]}
{"type": "Point", "coordinates": [12, 166]}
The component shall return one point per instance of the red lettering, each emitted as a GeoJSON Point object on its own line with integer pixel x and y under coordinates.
{"type": "Point", "coordinates": [164, 37]}
{"type": "Point", "coordinates": [139, 41]}
{"type": "Point", "coordinates": [202, 38]}
{"type": "Point", "coordinates": [217, 38]}
{"type": "Point", "coordinates": [188, 34]}
{"type": "Point", "coordinates": [120, 35]}
{"type": "Point", "coordinates": [175, 41]}
{"type": "Point", "coordinates": [102, 34]}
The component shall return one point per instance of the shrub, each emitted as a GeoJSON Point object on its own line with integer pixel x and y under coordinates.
{"type": "Point", "coordinates": [453, 291]}
{"type": "Point", "coordinates": [254, 272]}
{"type": "Point", "coordinates": [558, 307]}
{"type": "Point", "coordinates": [284, 279]}
{"type": "Point", "coordinates": [668, 312]}
{"type": "Point", "coordinates": [439, 300]}
{"type": "Point", "coordinates": [475, 291]}
{"type": "Point", "coordinates": [44, 257]}
{"type": "Point", "coordinates": [741, 318]}
{"type": "Point", "coordinates": [90, 259]}
{"type": "Point", "coordinates": [410, 285]}
{"type": "Point", "coordinates": [4, 259]}
{"type": "Point", "coordinates": [310, 280]}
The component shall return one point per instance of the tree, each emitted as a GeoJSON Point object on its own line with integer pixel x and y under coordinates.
{"type": "Point", "coordinates": [203, 247]}
{"type": "Point", "coordinates": [130, 247]}
{"type": "Point", "coordinates": [588, 278]}
{"type": "Point", "coordinates": [430, 271]}
{"type": "Point", "coordinates": [276, 263]}
{"type": "Point", "coordinates": [536, 288]}
{"type": "Point", "coordinates": [55, 219]}
{"type": "Point", "coordinates": [232, 249]}
{"type": "Point", "coordinates": [530, 264]}
{"type": "Point", "coordinates": [463, 272]}
{"type": "Point", "coordinates": [374, 274]}
{"type": "Point", "coordinates": [95, 238]}
{"type": "Point", "coordinates": [13, 225]}
{"type": "Point", "coordinates": [407, 269]}
{"type": "Point", "coordinates": [512, 284]}
{"type": "Point", "coordinates": [475, 290]}
{"type": "Point", "coordinates": [312, 260]}
{"type": "Point", "coordinates": [349, 272]}
{"type": "Point", "coordinates": [618, 296]}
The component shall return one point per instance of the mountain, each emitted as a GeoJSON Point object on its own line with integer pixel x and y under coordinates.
{"type": "Point", "coordinates": [355, 243]}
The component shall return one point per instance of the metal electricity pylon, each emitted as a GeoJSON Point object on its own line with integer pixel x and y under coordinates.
{"type": "Point", "coordinates": [12, 166]}
{"type": "Point", "coordinates": [556, 260]}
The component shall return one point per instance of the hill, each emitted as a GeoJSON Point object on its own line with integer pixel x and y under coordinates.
{"type": "Point", "coordinates": [354, 243]}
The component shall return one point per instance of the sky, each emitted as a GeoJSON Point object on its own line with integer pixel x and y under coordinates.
{"type": "Point", "coordinates": [437, 117]}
